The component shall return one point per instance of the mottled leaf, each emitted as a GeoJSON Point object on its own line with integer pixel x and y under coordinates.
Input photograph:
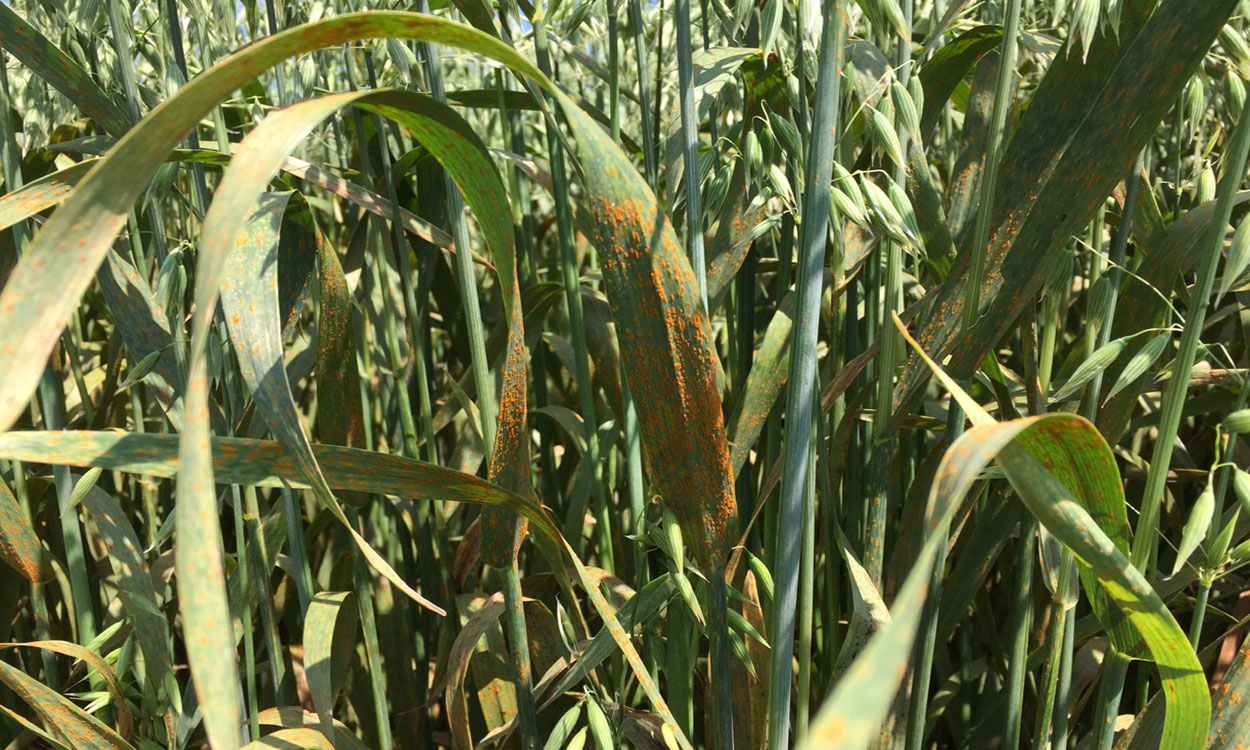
{"type": "Point", "coordinates": [19, 545]}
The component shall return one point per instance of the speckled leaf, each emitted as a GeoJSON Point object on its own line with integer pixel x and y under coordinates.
{"type": "Point", "coordinates": [961, 189]}
{"type": "Point", "coordinates": [603, 348]}
{"type": "Point", "coordinates": [926, 201]}
{"type": "Point", "coordinates": [208, 629]}
{"type": "Point", "coordinates": [96, 212]}
{"type": "Point", "coordinates": [868, 612]}
{"type": "Point", "coordinates": [712, 69]}
{"type": "Point", "coordinates": [298, 738]}
{"type": "Point", "coordinates": [1062, 469]}
{"type": "Point", "coordinates": [145, 330]}
{"type": "Point", "coordinates": [134, 583]}
{"type": "Point", "coordinates": [850, 716]}
{"type": "Point", "coordinates": [125, 719]}
{"type": "Point", "coordinates": [49, 190]}
{"type": "Point", "coordinates": [730, 239]}
{"type": "Point", "coordinates": [665, 339]}
{"type": "Point", "coordinates": [1171, 253]}
{"type": "Point", "coordinates": [852, 713]}
{"type": "Point", "coordinates": [1230, 720]}
{"type": "Point", "coordinates": [62, 73]}
{"type": "Point", "coordinates": [486, 617]}
{"type": "Point", "coordinates": [1082, 131]}
{"type": "Point", "coordinates": [639, 609]}
{"type": "Point", "coordinates": [45, 287]}
{"type": "Point", "coordinates": [60, 718]}
{"type": "Point", "coordinates": [264, 463]}
{"type": "Point", "coordinates": [949, 65]}
{"type": "Point", "coordinates": [977, 555]}
{"type": "Point", "coordinates": [765, 379]}
{"type": "Point", "coordinates": [667, 346]}
{"type": "Point", "coordinates": [450, 140]}
{"type": "Point", "coordinates": [294, 717]}
{"type": "Point", "coordinates": [324, 638]}
{"type": "Point", "coordinates": [257, 340]}
{"type": "Point", "coordinates": [19, 545]}
{"type": "Point", "coordinates": [41, 194]}
{"type": "Point", "coordinates": [339, 417]}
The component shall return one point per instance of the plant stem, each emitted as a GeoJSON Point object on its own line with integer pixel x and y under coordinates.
{"type": "Point", "coordinates": [1146, 534]}
{"type": "Point", "coordinates": [690, 149]}
{"type": "Point", "coordinates": [799, 406]}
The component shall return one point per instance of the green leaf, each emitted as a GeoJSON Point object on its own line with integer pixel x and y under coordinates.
{"type": "Point", "coordinates": [1098, 361]}
{"type": "Point", "coordinates": [1196, 526]}
{"type": "Point", "coordinates": [1139, 363]}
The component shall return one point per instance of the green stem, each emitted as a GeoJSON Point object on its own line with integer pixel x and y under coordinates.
{"type": "Point", "coordinates": [1022, 620]}
{"type": "Point", "coordinates": [802, 376]}
{"type": "Point", "coordinates": [1110, 692]}
{"type": "Point", "coordinates": [722, 679]}
{"type": "Point", "coordinates": [465, 280]}
{"type": "Point", "coordinates": [690, 149]}
{"type": "Point", "coordinates": [1146, 534]}
{"type": "Point", "coordinates": [373, 651]}
{"type": "Point", "coordinates": [644, 95]}
{"type": "Point", "coordinates": [995, 139]}
{"type": "Point", "coordinates": [518, 641]}
{"type": "Point", "coordinates": [574, 519]}
{"type": "Point", "coordinates": [245, 609]}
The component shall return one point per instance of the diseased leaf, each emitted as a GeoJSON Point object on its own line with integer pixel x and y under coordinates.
{"type": "Point", "coordinates": [19, 545]}
{"type": "Point", "coordinates": [44, 289]}
{"type": "Point", "coordinates": [134, 581]}
{"type": "Point", "coordinates": [125, 719]}
{"type": "Point", "coordinates": [324, 637]}
{"type": "Point", "coordinates": [1064, 159]}
{"type": "Point", "coordinates": [266, 464]}
{"type": "Point", "coordinates": [293, 717]}
{"type": "Point", "coordinates": [59, 70]}
{"type": "Point", "coordinates": [60, 718]}
{"type": "Point", "coordinates": [291, 739]}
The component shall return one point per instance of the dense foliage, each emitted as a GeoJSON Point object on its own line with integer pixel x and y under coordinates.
{"type": "Point", "coordinates": [758, 374]}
